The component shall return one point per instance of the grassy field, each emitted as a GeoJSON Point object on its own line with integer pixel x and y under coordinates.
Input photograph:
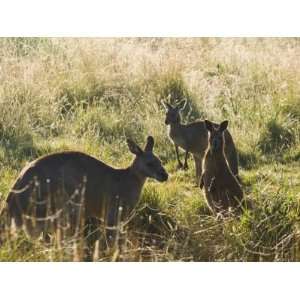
{"type": "Point", "coordinates": [90, 94]}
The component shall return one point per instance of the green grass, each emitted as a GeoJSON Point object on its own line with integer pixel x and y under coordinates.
{"type": "Point", "coordinates": [90, 94]}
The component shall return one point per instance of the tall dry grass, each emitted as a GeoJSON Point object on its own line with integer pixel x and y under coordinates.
{"type": "Point", "coordinates": [89, 94]}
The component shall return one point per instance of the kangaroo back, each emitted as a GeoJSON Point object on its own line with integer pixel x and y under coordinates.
{"type": "Point", "coordinates": [51, 189]}
{"type": "Point", "coordinates": [231, 153]}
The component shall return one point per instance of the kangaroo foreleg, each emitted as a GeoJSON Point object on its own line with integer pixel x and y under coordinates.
{"type": "Point", "coordinates": [212, 185]}
{"type": "Point", "coordinates": [178, 159]}
{"type": "Point", "coordinates": [201, 181]}
{"type": "Point", "coordinates": [185, 165]}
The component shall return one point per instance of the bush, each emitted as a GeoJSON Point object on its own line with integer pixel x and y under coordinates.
{"type": "Point", "coordinates": [276, 138]}
{"type": "Point", "coordinates": [104, 124]}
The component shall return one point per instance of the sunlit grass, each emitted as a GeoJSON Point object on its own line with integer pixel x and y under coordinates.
{"type": "Point", "coordinates": [90, 94]}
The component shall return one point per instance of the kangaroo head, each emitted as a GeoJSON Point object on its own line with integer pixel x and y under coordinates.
{"type": "Point", "coordinates": [146, 163]}
{"type": "Point", "coordinates": [173, 112]}
{"type": "Point", "coordinates": [216, 135]}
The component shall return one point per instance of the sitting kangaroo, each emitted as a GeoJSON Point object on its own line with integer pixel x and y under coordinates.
{"type": "Point", "coordinates": [193, 138]}
{"type": "Point", "coordinates": [62, 181]}
{"type": "Point", "coordinates": [221, 187]}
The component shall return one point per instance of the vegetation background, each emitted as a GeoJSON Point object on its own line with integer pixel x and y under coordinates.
{"type": "Point", "coordinates": [90, 94]}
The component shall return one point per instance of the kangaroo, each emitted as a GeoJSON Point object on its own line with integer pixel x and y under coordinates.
{"type": "Point", "coordinates": [193, 139]}
{"type": "Point", "coordinates": [221, 187]}
{"type": "Point", "coordinates": [61, 181]}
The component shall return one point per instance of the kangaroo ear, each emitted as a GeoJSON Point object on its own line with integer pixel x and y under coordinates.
{"type": "Point", "coordinates": [166, 105]}
{"type": "Point", "coordinates": [182, 105]}
{"type": "Point", "coordinates": [223, 125]}
{"type": "Point", "coordinates": [208, 125]}
{"type": "Point", "coordinates": [150, 144]}
{"type": "Point", "coordinates": [134, 148]}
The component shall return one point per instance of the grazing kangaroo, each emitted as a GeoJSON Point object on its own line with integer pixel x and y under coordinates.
{"type": "Point", "coordinates": [193, 138]}
{"type": "Point", "coordinates": [221, 187]}
{"type": "Point", "coordinates": [61, 181]}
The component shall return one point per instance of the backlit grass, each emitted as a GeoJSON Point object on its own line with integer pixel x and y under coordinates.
{"type": "Point", "coordinates": [90, 94]}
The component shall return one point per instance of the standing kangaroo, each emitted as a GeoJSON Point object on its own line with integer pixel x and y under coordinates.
{"type": "Point", "coordinates": [60, 181]}
{"type": "Point", "coordinates": [193, 138]}
{"type": "Point", "coordinates": [221, 187]}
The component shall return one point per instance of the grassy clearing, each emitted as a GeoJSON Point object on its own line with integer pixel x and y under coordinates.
{"type": "Point", "coordinates": [89, 94]}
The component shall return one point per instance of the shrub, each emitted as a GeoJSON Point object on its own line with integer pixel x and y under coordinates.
{"type": "Point", "coordinates": [276, 138]}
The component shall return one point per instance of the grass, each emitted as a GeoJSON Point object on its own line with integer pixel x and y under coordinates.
{"type": "Point", "coordinates": [90, 94]}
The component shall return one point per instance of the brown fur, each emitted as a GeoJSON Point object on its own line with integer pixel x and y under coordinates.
{"type": "Point", "coordinates": [57, 181]}
{"type": "Point", "coordinates": [193, 139]}
{"type": "Point", "coordinates": [221, 188]}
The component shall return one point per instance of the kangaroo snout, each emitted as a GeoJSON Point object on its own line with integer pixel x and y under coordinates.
{"type": "Point", "coordinates": [162, 176]}
{"type": "Point", "coordinates": [214, 146]}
